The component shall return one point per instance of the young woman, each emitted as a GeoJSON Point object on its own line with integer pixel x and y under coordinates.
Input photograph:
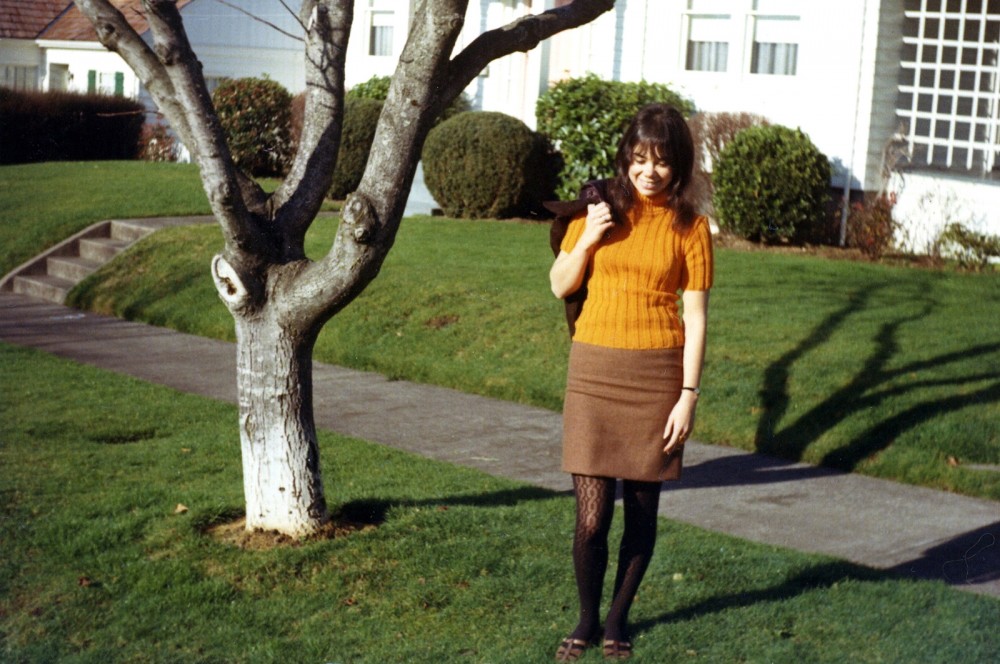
{"type": "Point", "coordinates": [635, 365]}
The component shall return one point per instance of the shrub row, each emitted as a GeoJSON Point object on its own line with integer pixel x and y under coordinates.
{"type": "Point", "coordinates": [65, 126]}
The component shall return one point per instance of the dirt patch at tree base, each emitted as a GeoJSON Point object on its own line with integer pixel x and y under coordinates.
{"type": "Point", "coordinates": [235, 533]}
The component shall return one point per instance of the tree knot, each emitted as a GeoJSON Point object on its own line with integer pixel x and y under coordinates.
{"type": "Point", "coordinates": [360, 218]}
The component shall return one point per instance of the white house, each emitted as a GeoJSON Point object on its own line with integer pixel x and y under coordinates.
{"type": "Point", "coordinates": [916, 79]}
{"type": "Point", "coordinates": [855, 75]}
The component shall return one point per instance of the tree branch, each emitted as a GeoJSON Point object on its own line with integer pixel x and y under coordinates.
{"type": "Point", "coordinates": [222, 180]}
{"type": "Point", "coordinates": [523, 34]}
{"type": "Point", "coordinates": [115, 33]}
{"type": "Point", "coordinates": [299, 197]}
{"type": "Point", "coordinates": [259, 19]}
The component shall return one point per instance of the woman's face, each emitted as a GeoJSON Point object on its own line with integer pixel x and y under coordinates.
{"type": "Point", "coordinates": [649, 173]}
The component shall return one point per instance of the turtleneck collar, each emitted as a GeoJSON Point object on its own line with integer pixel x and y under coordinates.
{"type": "Point", "coordinates": [650, 203]}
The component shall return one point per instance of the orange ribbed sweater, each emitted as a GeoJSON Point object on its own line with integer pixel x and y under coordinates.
{"type": "Point", "coordinates": [636, 275]}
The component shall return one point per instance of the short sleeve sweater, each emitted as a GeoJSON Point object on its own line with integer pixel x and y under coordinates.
{"type": "Point", "coordinates": [636, 275]}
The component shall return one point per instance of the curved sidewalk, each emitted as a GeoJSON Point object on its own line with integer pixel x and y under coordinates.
{"type": "Point", "coordinates": [916, 532]}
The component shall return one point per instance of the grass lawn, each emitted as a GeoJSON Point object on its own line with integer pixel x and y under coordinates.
{"type": "Point", "coordinates": [46, 203]}
{"type": "Point", "coordinates": [883, 370]}
{"type": "Point", "coordinates": [98, 565]}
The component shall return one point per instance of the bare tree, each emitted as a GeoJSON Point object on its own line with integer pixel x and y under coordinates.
{"type": "Point", "coordinates": [280, 299]}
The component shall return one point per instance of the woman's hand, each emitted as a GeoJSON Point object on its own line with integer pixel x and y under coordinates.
{"type": "Point", "coordinates": [599, 222]}
{"type": "Point", "coordinates": [566, 274]}
{"type": "Point", "coordinates": [680, 424]}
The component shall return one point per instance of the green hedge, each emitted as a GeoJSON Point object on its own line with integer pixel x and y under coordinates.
{"type": "Point", "coordinates": [772, 183]}
{"type": "Point", "coordinates": [585, 118]}
{"type": "Point", "coordinates": [66, 126]}
{"type": "Point", "coordinates": [488, 165]}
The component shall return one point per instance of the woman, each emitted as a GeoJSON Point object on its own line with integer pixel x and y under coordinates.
{"type": "Point", "coordinates": [635, 366]}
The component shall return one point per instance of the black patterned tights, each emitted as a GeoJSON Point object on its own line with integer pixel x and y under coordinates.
{"type": "Point", "coordinates": [595, 501]}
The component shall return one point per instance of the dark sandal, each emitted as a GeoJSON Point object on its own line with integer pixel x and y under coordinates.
{"type": "Point", "coordinates": [571, 650]}
{"type": "Point", "coordinates": [617, 649]}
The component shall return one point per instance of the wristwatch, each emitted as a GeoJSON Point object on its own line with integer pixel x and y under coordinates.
{"type": "Point", "coordinates": [696, 390]}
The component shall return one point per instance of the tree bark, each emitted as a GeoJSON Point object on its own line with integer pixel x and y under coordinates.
{"type": "Point", "coordinates": [281, 478]}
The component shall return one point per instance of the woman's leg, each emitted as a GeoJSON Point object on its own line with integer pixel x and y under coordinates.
{"type": "Point", "coordinates": [642, 500]}
{"type": "Point", "coordinates": [595, 502]}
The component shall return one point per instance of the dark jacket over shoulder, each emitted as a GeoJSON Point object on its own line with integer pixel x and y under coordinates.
{"type": "Point", "coordinates": [593, 192]}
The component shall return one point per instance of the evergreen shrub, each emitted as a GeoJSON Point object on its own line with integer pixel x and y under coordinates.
{"type": "Point", "coordinates": [67, 126]}
{"type": "Point", "coordinates": [360, 120]}
{"type": "Point", "coordinates": [772, 184]}
{"type": "Point", "coordinates": [585, 118]}
{"type": "Point", "coordinates": [488, 165]}
{"type": "Point", "coordinates": [255, 114]}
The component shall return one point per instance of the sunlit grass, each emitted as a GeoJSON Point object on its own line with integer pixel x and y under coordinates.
{"type": "Point", "coordinates": [97, 564]}
{"type": "Point", "coordinates": [883, 370]}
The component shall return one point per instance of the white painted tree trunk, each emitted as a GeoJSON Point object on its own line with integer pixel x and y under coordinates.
{"type": "Point", "coordinates": [281, 478]}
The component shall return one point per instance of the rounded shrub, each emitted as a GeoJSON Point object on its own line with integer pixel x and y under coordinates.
{"type": "Point", "coordinates": [255, 114]}
{"type": "Point", "coordinates": [488, 165]}
{"type": "Point", "coordinates": [585, 118]}
{"type": "Point", "coordinates": [358, 132]}
{"type": "Point", "coordinates": [771, 184]}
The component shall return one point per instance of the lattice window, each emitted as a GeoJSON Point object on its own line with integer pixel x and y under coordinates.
{"type": "Point", "coordinates": [949, 93]}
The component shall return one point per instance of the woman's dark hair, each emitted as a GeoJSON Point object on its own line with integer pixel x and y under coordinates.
{"type": "Point", "coordinates": [662, 128]}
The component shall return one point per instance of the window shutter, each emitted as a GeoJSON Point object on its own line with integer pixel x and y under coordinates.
{"type": "Point", "coordinates": [119, 84]}
{"type": "Point", "coordinates": [92, 81]}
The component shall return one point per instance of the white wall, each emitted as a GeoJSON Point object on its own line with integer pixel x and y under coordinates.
{"type": "Point", "coordinates": [926, 203]}
{"type": "Point", "coordinates": [231, 44]}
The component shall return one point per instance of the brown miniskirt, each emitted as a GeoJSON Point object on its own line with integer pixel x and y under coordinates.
{"type": "Point", "coordinates": [616, 408]}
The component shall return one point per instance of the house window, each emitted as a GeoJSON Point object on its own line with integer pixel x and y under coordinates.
{"type": "Point", "coordinates": [106, 82]}
{"type": "Point", "coordinates": [17, 77]}
{"type": "Point", "coordinates": [775, 50]}
{"type": "Point", "coordinates": [949, 92]}
{"type": "Point", "coordinates": [707, 37]}
{"type": "Point", "coordinates": [380, 23]}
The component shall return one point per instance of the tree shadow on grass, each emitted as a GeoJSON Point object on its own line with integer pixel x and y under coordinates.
{"type": "Point", "coordinates": [820, 576]}
{"type": "Point", "coordinates": [969, 558]}
{"type": "Point", "coordinates": [375, 511]}
{"type": "Point", "coordinates": [867, 390]}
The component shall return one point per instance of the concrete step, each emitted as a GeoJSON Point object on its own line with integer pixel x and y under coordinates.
{"type": "Point", "coordinates": [101, 250]}
{"type": "Point", "coordinates": [51, 274]}
{"type": "Point", "coordinates": [132, 230]}
{"type": "Point", "coordinates": [71, 268]}
{"type": "Point", "coordinates": [43, 286]}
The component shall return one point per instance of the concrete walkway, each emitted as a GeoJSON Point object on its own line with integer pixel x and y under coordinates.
{"type": "Point", "coordinates": [916, 532]}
